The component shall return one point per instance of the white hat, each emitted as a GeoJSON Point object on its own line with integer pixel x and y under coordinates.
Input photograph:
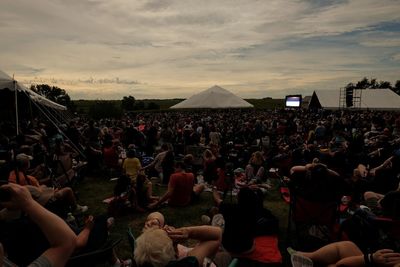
{"type": "Point", "coordinates": [23, 157]}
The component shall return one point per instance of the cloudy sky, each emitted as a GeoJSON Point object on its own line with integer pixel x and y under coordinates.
{"type": "Point", "coordinates": [107, 49]}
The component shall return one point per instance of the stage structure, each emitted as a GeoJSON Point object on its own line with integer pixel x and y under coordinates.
{"type": "Point", "coordinates": [350, 98]}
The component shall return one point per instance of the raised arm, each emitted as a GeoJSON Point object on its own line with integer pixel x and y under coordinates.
{"type": "Point", "coordinates": [209, 237]}
{"type": "Point", "coordinates": [61, 238]}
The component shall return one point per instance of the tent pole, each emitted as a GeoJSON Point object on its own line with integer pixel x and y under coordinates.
{"type": "Point", "coordinates": [16, 104]}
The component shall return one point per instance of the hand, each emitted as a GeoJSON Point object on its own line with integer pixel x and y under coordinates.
{"type": "Point", "coordinates": [152, 223]}
{"type": "Point", "coordinates": [386, 257]}
{"type": "Point", "coordinates": [179, 234]}
{"type": "Point", "coordinates": [20, 196]}
{"type": "Point", "coordinates": [153, 206]}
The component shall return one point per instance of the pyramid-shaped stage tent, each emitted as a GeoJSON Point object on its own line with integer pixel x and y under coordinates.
{"type": "Point", "coordinates": [214, 97]}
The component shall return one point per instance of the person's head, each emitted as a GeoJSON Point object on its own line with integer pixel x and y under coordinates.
{"type": "Point", "coordinates": [208, 154]}
{"type": "Point", "coordinates": [249, 199]}
{"type": "Point", "coordinates": [188, 159]}
{"type": "Point", "coordinates": [154, 248]}
{"type": "Point", "coordinates": [164, 147]}
{"type": "Point", "coordinates": [179, 166]}
{"type": "Point", "coordinates": [318, 172]}
{"type": "Point", "coordinates": [23, 161]}
{"type": "Point", "coordinates": [131, 153]}
{"type": "Point", "coordinates": [154, 220]}
{"type": "Point", "coordinates": [257, 158]}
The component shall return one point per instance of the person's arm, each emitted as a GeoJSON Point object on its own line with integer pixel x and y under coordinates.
{"type": "Point", "coordinates": [209, 236]}
{"type": "Point", "coordinates": [387, 164]}
{"type": "Point", "coordinates": [165, 197]}
{"type": "Point", "coordinates": [297, 169]}
{"type": "Point", "coordinates": [152, 164]}
{"type": "Point", "coordinates": [61, 238]}
{"type": "Point", "coordinates": [383, 257]}
{"type": "Point", "coordinates": [217, 196]}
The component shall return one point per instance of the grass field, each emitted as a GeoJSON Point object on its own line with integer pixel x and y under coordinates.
{"type": "Point", "coordinates": [93, 190]}
{"type": "Point", "coordinates": [83, 106]}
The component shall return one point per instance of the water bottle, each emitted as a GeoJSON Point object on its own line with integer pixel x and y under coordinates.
{"type": "Point", "coordinates": [71, 220]}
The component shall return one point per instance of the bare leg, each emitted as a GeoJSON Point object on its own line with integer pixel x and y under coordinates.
{"type": "Point", "coordinates": [369, 194]}
{"type": "Point", "coordinates": [198, 188]}
{"type": "Point", "coordinates": [149, 193]}
{"type": "Point", "coordinates": [67, 195]}
{"type": "Point", "coordinates": [334, 252]}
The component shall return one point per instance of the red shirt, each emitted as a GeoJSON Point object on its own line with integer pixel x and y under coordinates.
{"type": "Point", "coordinates": [182, 184]}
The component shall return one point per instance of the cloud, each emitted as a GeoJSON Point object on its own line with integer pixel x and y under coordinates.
{"type": "Point", "coordinates": [175, 47]}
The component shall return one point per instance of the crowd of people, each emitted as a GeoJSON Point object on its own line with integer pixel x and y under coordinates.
{"type": "Point", "coordinates": [348, 157]}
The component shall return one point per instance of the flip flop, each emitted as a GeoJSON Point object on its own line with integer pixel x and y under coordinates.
{"type": "Point", "coordinates": [299, 260]}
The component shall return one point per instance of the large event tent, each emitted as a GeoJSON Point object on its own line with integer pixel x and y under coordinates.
{"type": "Point", "coordinates": [214, 97]}
{"type": "Point", "coordinates": [377, 99]}
{"type": "Point", "coordinates": [7, 82]}
{"type": "Point", "coordinates": [52, 111]}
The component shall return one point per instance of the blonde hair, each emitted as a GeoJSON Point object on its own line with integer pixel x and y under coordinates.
{"type": "Point", "coordinates": [257, 158]}
{"type": "Point", "coordinates": [154, 247]}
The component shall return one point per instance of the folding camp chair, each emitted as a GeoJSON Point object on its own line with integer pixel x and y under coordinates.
{"type": "Point", "coordinates": [92, 258]}
{"type": "Point", "coordinates": [131, 239]}
{"type": "Point", "coordinates": [314, 222]}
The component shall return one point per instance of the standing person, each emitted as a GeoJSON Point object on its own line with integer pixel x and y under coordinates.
{"type": "Point", "coordinates": [181, 188]}
{"type": "Point", "coordinates": [156, 164]}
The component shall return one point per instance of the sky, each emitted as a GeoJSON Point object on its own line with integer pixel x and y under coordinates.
{"type": "Point", "coordinates": [107, 49]}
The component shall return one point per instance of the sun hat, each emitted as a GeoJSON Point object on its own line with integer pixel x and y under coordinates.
{"type": "Point", "coordinates": [23, 157]}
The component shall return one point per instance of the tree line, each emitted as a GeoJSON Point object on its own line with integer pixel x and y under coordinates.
{"type": "Point", "coordinates": [365, 83]}
{"type": "Point", "coordinates": [114, 108]}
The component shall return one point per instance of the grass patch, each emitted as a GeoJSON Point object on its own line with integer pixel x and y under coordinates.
{"type": "Point", "coordinates": [93, 190]}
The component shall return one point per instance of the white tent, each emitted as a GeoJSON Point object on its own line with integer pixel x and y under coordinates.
{"type": "Point", "coordinates": [7, 82]}
{"type": "Point", "coordinates": [379, 99]}
{"type": "Point", "coordinates": [214, 97]}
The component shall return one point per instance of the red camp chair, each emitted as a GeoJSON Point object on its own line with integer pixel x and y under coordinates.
{"type": "Point", "coordinates": [313, 223]}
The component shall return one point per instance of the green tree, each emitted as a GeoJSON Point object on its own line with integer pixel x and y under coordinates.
{"type": "Point", "coordinates": [139, 105]}
{"type": "Point", "coordinates": [128, 103]}
{"type": "Point", "coordinates": [350, 86]}
{"type": "Point", "coordinates": [363, 84]}
{"type": "Point", "coordinates": [396, 87]}
{"type": "Point", "coordinates": [54, 94]}
{"type": "Point", "coordinates": [153, 106]}
{"type": "Point", "coordinates": [104, 109]}
{"type": "Point", "coordinates": [384, 85]}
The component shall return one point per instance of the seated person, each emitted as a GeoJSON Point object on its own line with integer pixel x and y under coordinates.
{"type": "Point", "coordinates": [344, 253]}
{"type": "Point", "coordinates": [142, 192]}
{"type": "Point", "coordinates": [61, 239]}
{"type": "Point", "coordinates": [58, 201]}
{"type": "Point", "coordinates": [94, 235]}
{"type": "Point", "coordinates": [22, 165]}
{"type": "Point", "coordinates": [155, 247]}
{"type": "Point", "coordinates": [316, 182]}
{"type": "Point", "coordinates": [245, 221]}
{"type": "Point", "coordinates": [131, 165]}
{"type": "Point", "coordinates": [182, 189]}
{"type": "Point", "coordinates": [255, 169]}
{"type": "Point", "coordinates": [386, 205]}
